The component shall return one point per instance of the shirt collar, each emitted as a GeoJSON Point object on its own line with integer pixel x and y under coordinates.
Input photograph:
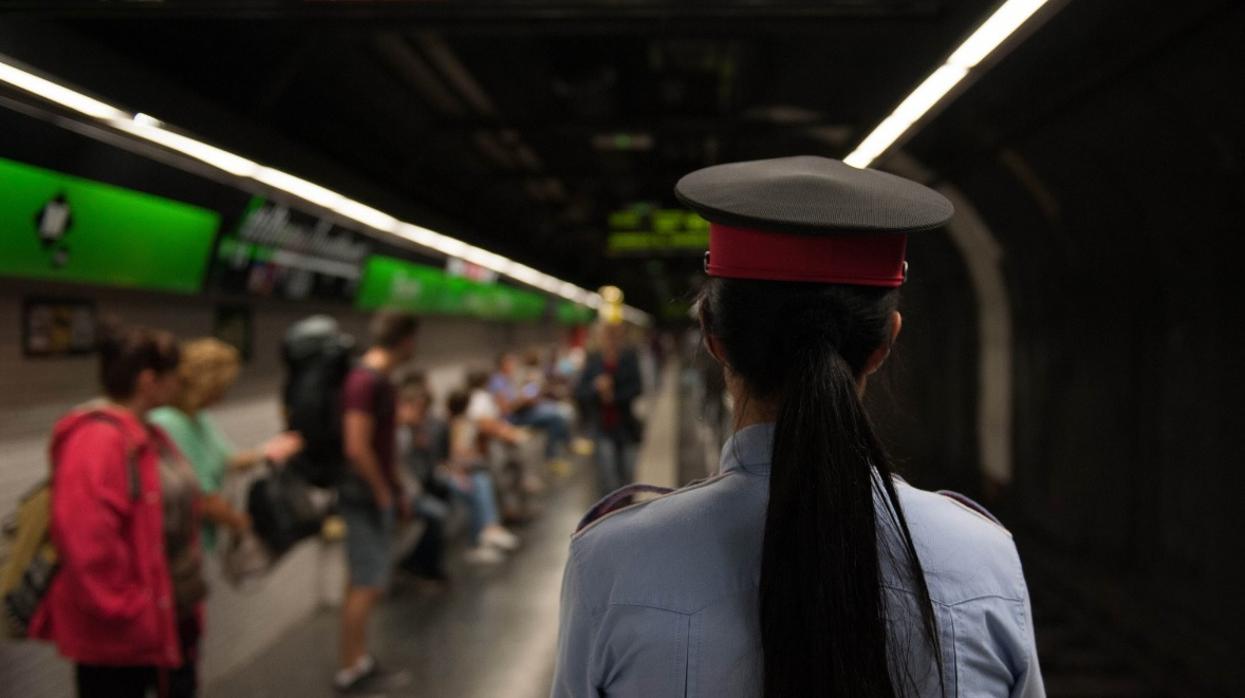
{"type": "Point", "coordinates": [749, 449]}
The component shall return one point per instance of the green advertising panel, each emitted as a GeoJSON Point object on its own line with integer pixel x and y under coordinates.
{"type": "Point", "coordinates": [394, 283]}
{"type": "Point", "coordinates": [62, 228]}
{"type": "Point", "coordinates": [569, 313]}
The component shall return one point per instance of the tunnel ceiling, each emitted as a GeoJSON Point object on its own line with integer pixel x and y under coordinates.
{"type": "Point", "coordinates": [526, 123]}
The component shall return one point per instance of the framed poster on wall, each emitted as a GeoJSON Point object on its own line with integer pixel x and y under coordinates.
{"type": "Point", "coordinates": [58, 327]}
{"type": "Point", "coordinates": [233, 325]}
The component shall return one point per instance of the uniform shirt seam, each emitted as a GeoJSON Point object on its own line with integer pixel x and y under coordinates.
{"type": "Point", "coordinates": [581, 534]}
{"type": "Point", "coordinates": [955, 656]}
{"type": "Point", "coordinates": [1022, 617]}
{"type": "Point", "coordinates": [953, 604]}
{"type": "Point", "coordinates": [655, 607]}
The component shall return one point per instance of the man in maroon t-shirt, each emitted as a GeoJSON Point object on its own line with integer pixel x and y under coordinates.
{"type": "Point", "coordinates": [370, 496]}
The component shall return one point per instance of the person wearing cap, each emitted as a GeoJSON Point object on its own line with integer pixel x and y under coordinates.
{"type": "Point", "coordinates": [805, 567]}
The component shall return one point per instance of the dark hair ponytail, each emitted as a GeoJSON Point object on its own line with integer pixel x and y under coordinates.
{"type": "Point", "coordinates": [824, 616]}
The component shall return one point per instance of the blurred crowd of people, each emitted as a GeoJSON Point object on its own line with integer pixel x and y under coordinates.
{"type": "Point", "coordinates": [138, 493]}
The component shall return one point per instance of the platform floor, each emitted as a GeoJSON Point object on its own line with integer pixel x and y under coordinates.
{"type": "Point", "coordinates": [492, 632]}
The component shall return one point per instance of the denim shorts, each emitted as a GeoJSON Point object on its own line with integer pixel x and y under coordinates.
{"type": "Point", "coordinates": [369, 539]}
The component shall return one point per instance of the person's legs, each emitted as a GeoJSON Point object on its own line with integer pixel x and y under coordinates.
{"type": "Point", "coordinates": [183, 682]}
{"type": "Point", "coordinates": [475, 522]}
{"type": "Point", "coordinates": [369, 532]}
{"type": "Point", "coordinates": [356, 611]}
{"type": "Point", "coordinates": [95, 681]}
{"type": "Point", "coordinates": [626, 449]}
{"type": "Point", "coordinates": [485, 498]}
{"type": "Point", "coordinates": [547, 417]}
{"type": "Point", "coordinates": [427, 559]}
{"type": "Point", "coordinates": [606, 458]}
{"type": "Point", "coordinates": [492, 533]}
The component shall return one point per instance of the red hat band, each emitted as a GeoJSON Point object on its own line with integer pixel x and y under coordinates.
{"type": "Point", "coordinates": [866, 259]}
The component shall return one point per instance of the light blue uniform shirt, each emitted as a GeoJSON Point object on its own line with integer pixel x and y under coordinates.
{"type": "Point", "coordinates": [661, 599]}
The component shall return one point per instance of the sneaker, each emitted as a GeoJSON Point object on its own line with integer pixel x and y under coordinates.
{"type": "Point", "coordinates": [499, 538]}
{"type": "Point", "coordinates": [375, 681]}
{"type": "Point", "coordinates": [484, 555]}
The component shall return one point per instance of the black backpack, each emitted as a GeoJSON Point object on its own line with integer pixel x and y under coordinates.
{"type": "Point", "coordinates": [283, 510]}
{"type": "Point", "coordinates": [317, 357]}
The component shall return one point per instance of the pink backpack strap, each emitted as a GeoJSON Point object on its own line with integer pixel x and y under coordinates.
{"type": "Point", "coordinates": [970, 504]}
{"type": "Point", "coordinates": [618, 499]}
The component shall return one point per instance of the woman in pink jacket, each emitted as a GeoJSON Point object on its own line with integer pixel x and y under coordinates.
{"type": "Point", "coordinates": [124, 604]}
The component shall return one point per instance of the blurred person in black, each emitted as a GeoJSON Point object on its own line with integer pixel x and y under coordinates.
{"type": "Point", "coordinates": [609, 383]}
{"type": "Point", "coordinates": [422, 447]}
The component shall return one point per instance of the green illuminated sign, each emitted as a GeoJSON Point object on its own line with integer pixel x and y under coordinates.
{"type": "Point", "coordinates": [645, 230]}
{"type": "Point", "coordinates": [62, 228]}
{"type": "Point", "coordinates": [569, 313]}
{"type": "Point", "coordinates": [394, 283]}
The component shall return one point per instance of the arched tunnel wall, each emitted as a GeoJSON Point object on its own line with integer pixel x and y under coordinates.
{"type": "Point", "coordinates": [1116, 204]}
{"type": "Point", "coordinates": [925, 401]}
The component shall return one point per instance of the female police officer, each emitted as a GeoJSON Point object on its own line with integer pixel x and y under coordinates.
{"type": "Point", "coordinates": [805, 568]}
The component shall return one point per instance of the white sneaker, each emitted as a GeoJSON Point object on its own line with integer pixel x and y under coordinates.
{"type": "Point", "coordinates": [484, 555]}
{"type": "Point", "coordinates": [499, 538]}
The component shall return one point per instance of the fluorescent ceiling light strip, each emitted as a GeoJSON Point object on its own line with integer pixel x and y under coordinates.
{"type": "Point", "coordinates": [153, 130]}
{"type": "Point", "coordinates": [51, 91]}
{"type": "Point", "coordinates": [367, 215]}
{"type": "Point", "coordinates": [927, 94]}
{"type": "Point", "coordinates": [220, 159]}
{"type": "Point", "coordinates": [307, 191]}
{"type": "Point", "coordinates": [872, 146]}
{"type": "Point", "coordinates": [1004, 22]}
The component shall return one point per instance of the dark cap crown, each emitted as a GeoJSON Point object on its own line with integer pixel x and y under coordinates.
{"type": "Point", "coordinates": [811, 194]}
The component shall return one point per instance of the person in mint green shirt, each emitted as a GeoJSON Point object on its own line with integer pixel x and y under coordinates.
{"type": "Point", "coordinates": [208, 369]}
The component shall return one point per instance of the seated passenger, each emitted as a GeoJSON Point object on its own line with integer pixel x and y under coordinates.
{"type": "Point", "coordinates": [421, 447]}
{"type": "Point", "coordinates": [520, 399]}
{"type": "Point", "coordinates": [471, 481]}
{"type": "Point", "coordinates": [497, 437]}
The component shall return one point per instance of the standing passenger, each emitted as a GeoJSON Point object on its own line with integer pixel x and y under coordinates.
{"type": "Point", "coordinates": [370, 496]}
{"type": "Point", "coordinates": [610, 381]}
{"type": "Point", "coordinates": [207, 370]}
{"type": "Point", "coordinates": [805, 568]}
{"type": "Point", "coordinates": [124, 604]}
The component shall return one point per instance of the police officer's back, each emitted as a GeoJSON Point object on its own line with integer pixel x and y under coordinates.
{"type": "Point", "coordinates": [804, 568]}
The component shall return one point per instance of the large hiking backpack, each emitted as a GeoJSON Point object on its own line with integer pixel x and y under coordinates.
{"type": "Point", "coordinates": [317, 357]}
{"type": "Point", "coordinates": [28, 560]}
